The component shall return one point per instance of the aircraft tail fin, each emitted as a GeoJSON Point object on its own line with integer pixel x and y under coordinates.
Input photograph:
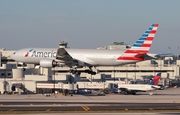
{"type": "Point", "coordinates": [156, 79]}
{"type": "Point", "coordinates": [142, 45]}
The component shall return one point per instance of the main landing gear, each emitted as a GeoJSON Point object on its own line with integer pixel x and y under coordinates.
{"type": "Point", "coordinates": [128, 92]}
{"type": "Point", "coordinates": [23, 66]}
{"type": "Point", "coordinates": [74, 71]}
{"type": "Point", "coordinates": [89, 71]}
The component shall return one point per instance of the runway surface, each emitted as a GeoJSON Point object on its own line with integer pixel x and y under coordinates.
{"type": "Point", "coordinates": [162, 101]}
{"type": "Point", "coordinates": [49, 106]}
{"type": "Point", "coordinates": [173, 113]}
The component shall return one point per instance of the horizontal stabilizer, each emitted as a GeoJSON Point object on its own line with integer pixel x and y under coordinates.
{"type": "Point", "coordinates": [164, 55]}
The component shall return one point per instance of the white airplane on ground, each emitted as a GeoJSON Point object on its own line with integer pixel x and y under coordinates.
{"type": "Point", "coordinates": [133, 88]}
{"type": "Point", "coordinates": [78, 58]}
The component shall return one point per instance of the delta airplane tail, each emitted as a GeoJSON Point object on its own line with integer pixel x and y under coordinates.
{"type": "Point", "coordinates": [156, 79]}
{"type": "Point", "coordinates": [142, 45]}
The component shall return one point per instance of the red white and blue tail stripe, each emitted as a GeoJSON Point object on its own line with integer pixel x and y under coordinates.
{"type": "Point", "coordinates": [142, 45]}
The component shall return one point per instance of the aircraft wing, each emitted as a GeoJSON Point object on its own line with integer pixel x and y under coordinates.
{"type": "Point", "coordinates": [155, 87]}
{"type": "Point", "coordinates": [64, 57]}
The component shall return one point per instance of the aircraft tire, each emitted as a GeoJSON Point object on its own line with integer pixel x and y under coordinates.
{"type": "Point", "coordinates": [134, 93]}
{"type": "Point", "coordinates": [78, 73]}
{"type": "Point", "coordinates": [74, 72]}
{"type": "Point", "coordinates": [126, 93]}
{"type": "Point", "coordinates": [86, 71]}
{"type": "Point", "coordinates": [93, 73]}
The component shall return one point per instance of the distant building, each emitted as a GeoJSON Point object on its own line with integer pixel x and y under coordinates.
{"type": "Point", "coordinates": [116, 45]}
{"type": "Point", "coordinates": [63, 44]}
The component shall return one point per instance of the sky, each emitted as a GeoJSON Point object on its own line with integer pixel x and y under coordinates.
{"type": "Point", "coordinates": [88, 23]}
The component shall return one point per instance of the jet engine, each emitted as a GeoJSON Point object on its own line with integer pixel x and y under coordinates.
{"type": "Point", "coordinates": [48, 63]}
{"type": "Point", "coordinates": [20, 63]}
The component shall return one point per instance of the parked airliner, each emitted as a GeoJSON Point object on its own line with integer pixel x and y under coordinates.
{"type": "Point", "coordinates": [133, 88]}
{"type": "Point", "coordinates": [78, 58]}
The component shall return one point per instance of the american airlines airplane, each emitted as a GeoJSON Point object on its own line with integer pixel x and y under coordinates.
{"type": "Point", "coordinates": [78, 58]}
{"type": "Point", "coordinates": [133, 88]}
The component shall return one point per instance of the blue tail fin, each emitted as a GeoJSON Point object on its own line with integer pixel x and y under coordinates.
{"type": "Point", "coordinates": [156, 79]}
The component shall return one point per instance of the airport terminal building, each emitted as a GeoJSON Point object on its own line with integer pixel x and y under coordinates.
{"type": "Point", "coordinates": [35, 79]}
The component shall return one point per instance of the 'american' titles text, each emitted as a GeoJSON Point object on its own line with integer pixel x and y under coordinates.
{"type": "Point", "coordinates": [44, 54]}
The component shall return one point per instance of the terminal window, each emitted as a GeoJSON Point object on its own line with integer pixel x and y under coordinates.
{"type": "Point", "coordinates": [9, 74]}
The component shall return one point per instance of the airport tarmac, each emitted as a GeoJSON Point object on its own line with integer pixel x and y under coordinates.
{"type": "Point", "coordinates": [92, 107]}
{"type": "Point", "coordinates": [166, 113]}
{"type": "Point", "coordinates": [164, 100]}
{"type": "Point", "coordinates": [170, 95]}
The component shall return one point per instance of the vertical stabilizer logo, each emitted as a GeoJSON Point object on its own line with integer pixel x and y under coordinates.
{"type": "Point", "coordinates": [27, 54]}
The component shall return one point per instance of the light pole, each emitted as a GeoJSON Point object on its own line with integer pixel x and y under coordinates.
{"type": "Point", "coordinates": [126, 73]}
{"type": "Point", "coordinates": [54, 82]}
{"type": "Point", "coordinates": [177, 54]}
{"type": "Point", "coordinates": [177, 64]}
{"type": "Point", "coordinates": [135, 71]}
{"type": "Point", "coordinates": [114, 73]}
{"type": "Point", "coordinates": [5, 81]}
{"type": "Point", "coordinates": [160, 63]}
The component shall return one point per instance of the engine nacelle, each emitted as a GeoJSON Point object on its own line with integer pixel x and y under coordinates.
{"type": "Point", "coordinates": [21, 64]}
{"type": "Point", "coordinates": [48, 63]}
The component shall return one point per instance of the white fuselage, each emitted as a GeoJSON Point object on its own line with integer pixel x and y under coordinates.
{"type": "Point", "coordinates": [93, 57]}
{"type": "Point", "coordinates": [138, 87]}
